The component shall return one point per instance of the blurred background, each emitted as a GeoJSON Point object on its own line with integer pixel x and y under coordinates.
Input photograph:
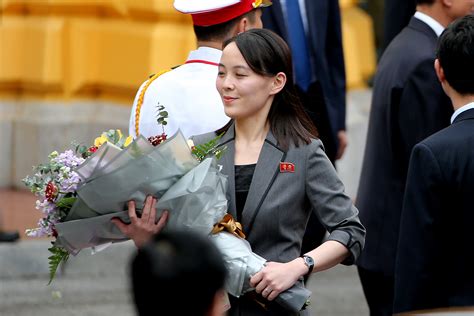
{"type": "Point", "coordinates": [69, 69]}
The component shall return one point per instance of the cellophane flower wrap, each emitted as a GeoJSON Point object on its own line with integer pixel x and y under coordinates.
{"type": "Point", "coordinates": [242, 264]}
{"type": "Point", "coordinates": [89, 190]}
{"type": "Point", "coordinates": [55, 183]}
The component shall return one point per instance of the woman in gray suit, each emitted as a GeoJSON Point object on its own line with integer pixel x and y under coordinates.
{"type": "Point", "coordinates": [278, 171]}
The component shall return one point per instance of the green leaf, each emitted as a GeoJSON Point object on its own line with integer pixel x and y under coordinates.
{"type": "Point", "coordinates": [162, 115]}
{"type": "Point", "coordinates": [66, 202]}
{"type": "Point", "coordinates": [202, 151]}
{"type": "Point", "coordinates": [58, 255]}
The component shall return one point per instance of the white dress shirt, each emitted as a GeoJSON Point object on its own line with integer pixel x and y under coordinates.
{"type": "Point", "coordinates": [435, 25]}
{"type": "Point", "coordinates": [460, 110]}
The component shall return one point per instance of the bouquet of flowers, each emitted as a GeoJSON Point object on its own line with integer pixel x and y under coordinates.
{"type": "Point", "coordinates": [81, 190]}
{"type": "Point", "coordinates": [55, 183]}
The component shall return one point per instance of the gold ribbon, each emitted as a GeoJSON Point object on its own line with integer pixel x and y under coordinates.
{"type": "Point", "coordinates": [229, 224]}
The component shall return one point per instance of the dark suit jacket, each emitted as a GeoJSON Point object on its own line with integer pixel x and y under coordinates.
{"type": "Point", "coordinates": [435, 256]}
{"type": "Point", "coordinates": [408, 104]}
{"type": "Point", "coordinates": [279, 204]}
{"type": "Point", "coordinates": [397, 14]}
{"type": "Point", "coordinates": [325, 42]}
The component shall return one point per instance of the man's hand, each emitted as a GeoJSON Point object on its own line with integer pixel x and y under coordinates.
{"type": "Point", "coordinates": [342, 138]}
{"type": "Point", "coordinates": [141, 229]}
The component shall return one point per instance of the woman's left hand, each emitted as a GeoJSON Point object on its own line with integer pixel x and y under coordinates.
{"type": "Point", "coordinates": [276, 277]}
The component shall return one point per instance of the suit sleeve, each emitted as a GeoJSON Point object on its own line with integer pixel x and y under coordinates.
{"type": "Point", "coordinates": [331, 205]}
{"type": "Point", "coordinates": [423, 110]}
{"type": "Point", "coordinates": [335, 56]}
{"type": "Point", "coordinates": [415, 281]}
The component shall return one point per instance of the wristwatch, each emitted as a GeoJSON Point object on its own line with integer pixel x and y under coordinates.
{"type": "Point", "coordinates": [309, 262]}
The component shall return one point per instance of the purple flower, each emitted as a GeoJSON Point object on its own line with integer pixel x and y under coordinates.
{"type": "Point", "coordinates": [68, 159]}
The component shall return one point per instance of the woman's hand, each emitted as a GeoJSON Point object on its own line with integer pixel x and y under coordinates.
{"type": "Point", "coordinates": [141, 229]}
{"type": "Point", "coordinates": [277, 277]}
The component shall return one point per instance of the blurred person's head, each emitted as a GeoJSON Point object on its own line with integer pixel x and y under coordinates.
{"type": "Point", "coordinates": [445, 11]}
{"type": "Point", "coordinates": [455, 57]}
{"type": "Point", "coordinates": [218, 20]}
{"type": "Point", "coordinates": [178, 273]}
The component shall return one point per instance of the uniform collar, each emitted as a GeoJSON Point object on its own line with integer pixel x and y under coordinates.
{"type": "Point", "coordinates": [206, 53]}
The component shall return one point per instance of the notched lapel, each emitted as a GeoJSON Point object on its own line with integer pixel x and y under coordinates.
{"type": "Point", "coordinates": [227, 162]}
{"type": "Point", "coordinates": [265, 173]}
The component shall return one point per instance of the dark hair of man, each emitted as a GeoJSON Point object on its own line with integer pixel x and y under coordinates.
{"type": "Point", "coordinates": [267, 54]}
{"type": "Point", "coordinates": [456, 54]}
{"type": "Point", "coordinates": [220, 32]}
{"type": "Point", "coordinates": [425, 1]}
{"type": "Point", "coordinates": [177, 273]}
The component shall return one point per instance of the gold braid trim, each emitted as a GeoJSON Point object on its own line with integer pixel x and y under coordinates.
{"type": "Point", "coordinates": [142, 97]}
{"type": "Point", "coordinates": [229, 224]}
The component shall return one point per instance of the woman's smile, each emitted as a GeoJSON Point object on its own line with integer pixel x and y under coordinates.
{"type": "Point", "coordinates": [228, 99]}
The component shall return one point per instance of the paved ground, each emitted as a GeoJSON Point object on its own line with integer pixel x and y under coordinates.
{"type": "Point", "coordinates": [98, 284]}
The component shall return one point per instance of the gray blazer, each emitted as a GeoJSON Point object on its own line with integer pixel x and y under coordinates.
{"type": "Point", "coordinates": [279, 203]}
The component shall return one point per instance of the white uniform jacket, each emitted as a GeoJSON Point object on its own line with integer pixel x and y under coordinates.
{"type": "Point", "coordinates": [188, 93]}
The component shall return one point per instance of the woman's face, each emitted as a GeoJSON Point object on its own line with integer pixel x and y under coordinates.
{"type": "Point", "coordinates": [245, 94]}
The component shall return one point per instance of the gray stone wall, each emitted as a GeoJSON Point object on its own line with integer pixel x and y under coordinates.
{"type": "Point", "coordinates": [31, 130]}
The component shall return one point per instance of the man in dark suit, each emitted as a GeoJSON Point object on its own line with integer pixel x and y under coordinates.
{"type": "Point", "coordinates": [434, 259]}
{"type": "Point", "coordinates": [408, 104]}
{"type": "Point", "coordinates": [323, 92]}
{"type": "Point", "coordinates": [397, 14]}
{"type": "Point", "coordinates": [324, 96]}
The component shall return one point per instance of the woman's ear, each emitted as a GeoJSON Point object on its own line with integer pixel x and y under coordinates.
{"type": "Point", "coordinates": [278, 83]}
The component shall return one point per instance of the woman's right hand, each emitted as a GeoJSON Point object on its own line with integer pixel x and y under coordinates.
{"type": "Point", "coordinates": [141, 229]}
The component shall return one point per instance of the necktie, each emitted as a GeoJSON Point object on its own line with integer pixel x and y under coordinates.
{"type": "Point", "coordinates": [298, 45]}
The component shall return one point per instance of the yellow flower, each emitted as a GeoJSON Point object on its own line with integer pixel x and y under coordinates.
{"type": "Point", "coordinates": [99, 141]}
{"type": "Point", "coordinates": [119, 132]}
{"type": "Point", "coordinates": [128, 141]}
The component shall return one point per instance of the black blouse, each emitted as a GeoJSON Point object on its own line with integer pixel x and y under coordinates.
{"type": "Point", "coordinates": [243, 178]}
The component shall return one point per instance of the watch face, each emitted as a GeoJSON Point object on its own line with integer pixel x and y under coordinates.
{"type": "Point", "coordinates": [309, 261]}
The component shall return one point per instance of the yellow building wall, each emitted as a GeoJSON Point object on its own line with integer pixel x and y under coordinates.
{"type": "Point", "coordinates": [88, 49]}
{"type": "Point", "coordinates": [69, 69]}
{"type": "Point", "coordinates": [104, 49]}
{"type": "Point", "coordinates": [359, 44]}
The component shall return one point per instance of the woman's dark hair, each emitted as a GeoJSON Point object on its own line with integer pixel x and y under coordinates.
{"type": "Point", "coordinates": [178, 273]}
{"type": "Point", "coordinates": [267, 54]}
